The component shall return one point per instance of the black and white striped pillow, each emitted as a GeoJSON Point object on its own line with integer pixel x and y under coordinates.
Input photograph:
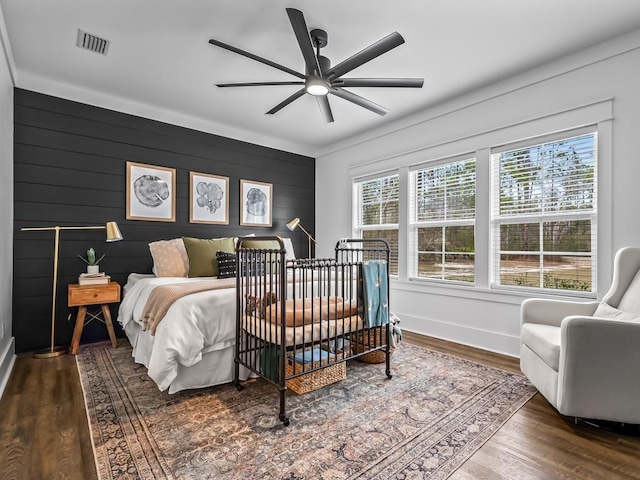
{"type": "Point", "coordinates": [226, 264]}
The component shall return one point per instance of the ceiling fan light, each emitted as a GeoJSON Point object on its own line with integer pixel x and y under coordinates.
{"type": "Point", "coordinates": [316, 86]}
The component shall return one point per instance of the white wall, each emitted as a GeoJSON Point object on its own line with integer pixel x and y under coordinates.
{"type": "Point", "coordinates": [599, 85]}
{"type": "Point", "coordinates": [7, 355]}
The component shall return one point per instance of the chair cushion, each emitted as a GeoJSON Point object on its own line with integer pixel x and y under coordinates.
{"type": "Point", "coordinates": [544, 341]}
{"type": "Point", "coordinates": [607, 311]}
{"type": "Point", "coordinates": [630, 301]}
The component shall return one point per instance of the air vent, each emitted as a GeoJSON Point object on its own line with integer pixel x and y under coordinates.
{"type": "Point", "coordinates": [92, 42]}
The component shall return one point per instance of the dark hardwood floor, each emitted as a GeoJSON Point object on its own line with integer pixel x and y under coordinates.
{"type": "Point", "coordinates": [44, 432]}
{"type": "Point", "coordinates": [539, 443]}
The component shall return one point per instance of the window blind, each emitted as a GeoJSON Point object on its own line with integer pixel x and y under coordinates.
{"type": "Point", "coordinates": [445, 192]}
{"type": "Point", "coordinates": [544, 214]}
{"type": "Point", "coordinates": [442, 226]}
{"type": "Point", "coordinates": [375, 212]}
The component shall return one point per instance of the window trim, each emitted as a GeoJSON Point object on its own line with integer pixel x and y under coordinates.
{"type": "Point", "coordinates": [414, 225]}
{"type": "Point", "coordinates": [479, 139]}
{"type": "Point", "coordinates": [496, 220]}
{"type": "Point", "coordinates": [357, 228]}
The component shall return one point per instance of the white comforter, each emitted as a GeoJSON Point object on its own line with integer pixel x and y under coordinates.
{"type": "Point", "coordinates": [194, 324]}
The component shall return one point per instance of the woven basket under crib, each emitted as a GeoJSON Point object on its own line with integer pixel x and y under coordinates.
{"type": "Point", "coordinates": [314, 380]}
{"type": "Point", "coordinates": [363, 341]}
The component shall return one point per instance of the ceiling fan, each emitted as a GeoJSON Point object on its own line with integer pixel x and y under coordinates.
{"type": "Point", "coordinates": [320, 78]}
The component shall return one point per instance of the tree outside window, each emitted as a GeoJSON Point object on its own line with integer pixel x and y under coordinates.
{"type": "Point", "coordinates": [443, 221]}
{"type": "Point", "coordinates": [544, 215]}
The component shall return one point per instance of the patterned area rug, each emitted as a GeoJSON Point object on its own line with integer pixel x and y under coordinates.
{"type": "Point", "coordinates": [423, 423]}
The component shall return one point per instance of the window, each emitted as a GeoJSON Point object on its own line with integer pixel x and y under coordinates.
{"type": "Point", "coordinates": [375, 215]}
{"type": "Point", "coordinates": [442, 229]}
{"type": "Point", "coordinates": [543, 217]}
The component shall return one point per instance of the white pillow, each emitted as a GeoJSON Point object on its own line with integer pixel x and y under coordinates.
{"type": "Point", "coordinates": [288, 246]}
{"type": "Point", "coordinates": [630, 301]}
{"type": "Point", "coordinates": [607, 311]}
{"type": "Point", "coordinates": [235, 239]}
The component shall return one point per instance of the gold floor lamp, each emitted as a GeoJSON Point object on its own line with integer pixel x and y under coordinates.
{"type": "Point", "coordinates": [113, 235]}
{"type": "Point", "coordinates": [295, 223]}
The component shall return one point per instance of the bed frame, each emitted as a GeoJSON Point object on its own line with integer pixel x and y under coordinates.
{"type": "Point", "coordinates": [315, 310]}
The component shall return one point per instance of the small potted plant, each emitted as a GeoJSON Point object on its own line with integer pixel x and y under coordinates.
{"type": "Point", "coordinates": [92, 263]}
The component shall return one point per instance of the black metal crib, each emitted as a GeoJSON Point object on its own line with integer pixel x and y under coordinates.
{"type": "Point", "coordinates": [299, 321]}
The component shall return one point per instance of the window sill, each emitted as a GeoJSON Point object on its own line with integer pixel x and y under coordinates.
{"type": "Point", "coordinates": [498, 295]}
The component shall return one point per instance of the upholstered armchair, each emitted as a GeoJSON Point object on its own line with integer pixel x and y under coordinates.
{"type": "Point", "coordinates": [584, 357]}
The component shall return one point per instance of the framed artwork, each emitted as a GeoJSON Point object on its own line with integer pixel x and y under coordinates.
{"type": "Point", "coordinates": [256, 206]}
{"type": "Point", "coordinates": [151, 193]}
{"type": "Point", "coordinates": [209, 198]}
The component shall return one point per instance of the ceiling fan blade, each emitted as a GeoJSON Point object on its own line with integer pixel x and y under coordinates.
{"type": "Point", "coordinates": [389, 42]}
{"type": "Point", "coordinates": [304, 40]}
{"type": "Point", "coordinates": [287, 101]}
{"type": "Point", "coordinates": [256, 84]}
{"type": "Point", "coordinates": [256, 58]}
{"type": "Point", "coordinates": [358, 100]}
{"type": "Point", "coordinates": [379, 82]}
{"type": "Point", "coordinates": [325, 108]}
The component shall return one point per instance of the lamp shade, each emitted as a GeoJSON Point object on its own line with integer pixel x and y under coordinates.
{"type": "Point", "coordinates": [293, 224]}
{"type": "Point", "coordinates": [113, 232]}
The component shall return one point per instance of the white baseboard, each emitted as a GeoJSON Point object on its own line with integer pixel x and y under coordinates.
{"type": "Point", "coordinates": [496, 342]}
{"type": "Point", "coordinates": [7, 360]}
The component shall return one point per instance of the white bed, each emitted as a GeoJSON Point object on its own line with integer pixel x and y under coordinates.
{"type": "Point", "coordinates": [193, 346]}
{"type": "Point", "coordinates": [194, 343]}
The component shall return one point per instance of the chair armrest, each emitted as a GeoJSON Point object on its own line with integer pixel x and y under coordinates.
{"type": "Point", "coordinates": [552, 312]}
{"type": "Point", "coordinates": [599, 371]}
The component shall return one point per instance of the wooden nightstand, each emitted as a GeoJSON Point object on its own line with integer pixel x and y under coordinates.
{"type": "Point", "coordinates": [85, 295]}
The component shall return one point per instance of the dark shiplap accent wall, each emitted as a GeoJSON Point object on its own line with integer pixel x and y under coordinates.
{"type": "Point", "coordinates": [70, 169]}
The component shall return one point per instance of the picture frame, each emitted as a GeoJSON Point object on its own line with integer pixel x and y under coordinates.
{"type": "Point", "coordinates": [208, 198]}
{"type": "Point", "coordinates": [256, 203]}
{"type": "Point", "coordinates": [151, 193]}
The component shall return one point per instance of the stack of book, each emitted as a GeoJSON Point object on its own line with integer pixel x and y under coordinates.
{"type": "Point", "coordinates": [93, 278]}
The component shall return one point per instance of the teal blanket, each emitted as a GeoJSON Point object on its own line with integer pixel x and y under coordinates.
{"type": "Point", "coordinates": [375, 293]}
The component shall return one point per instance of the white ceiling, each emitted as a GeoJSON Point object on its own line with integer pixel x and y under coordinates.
{"type": "Point", "coordinates": [160, 63]}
